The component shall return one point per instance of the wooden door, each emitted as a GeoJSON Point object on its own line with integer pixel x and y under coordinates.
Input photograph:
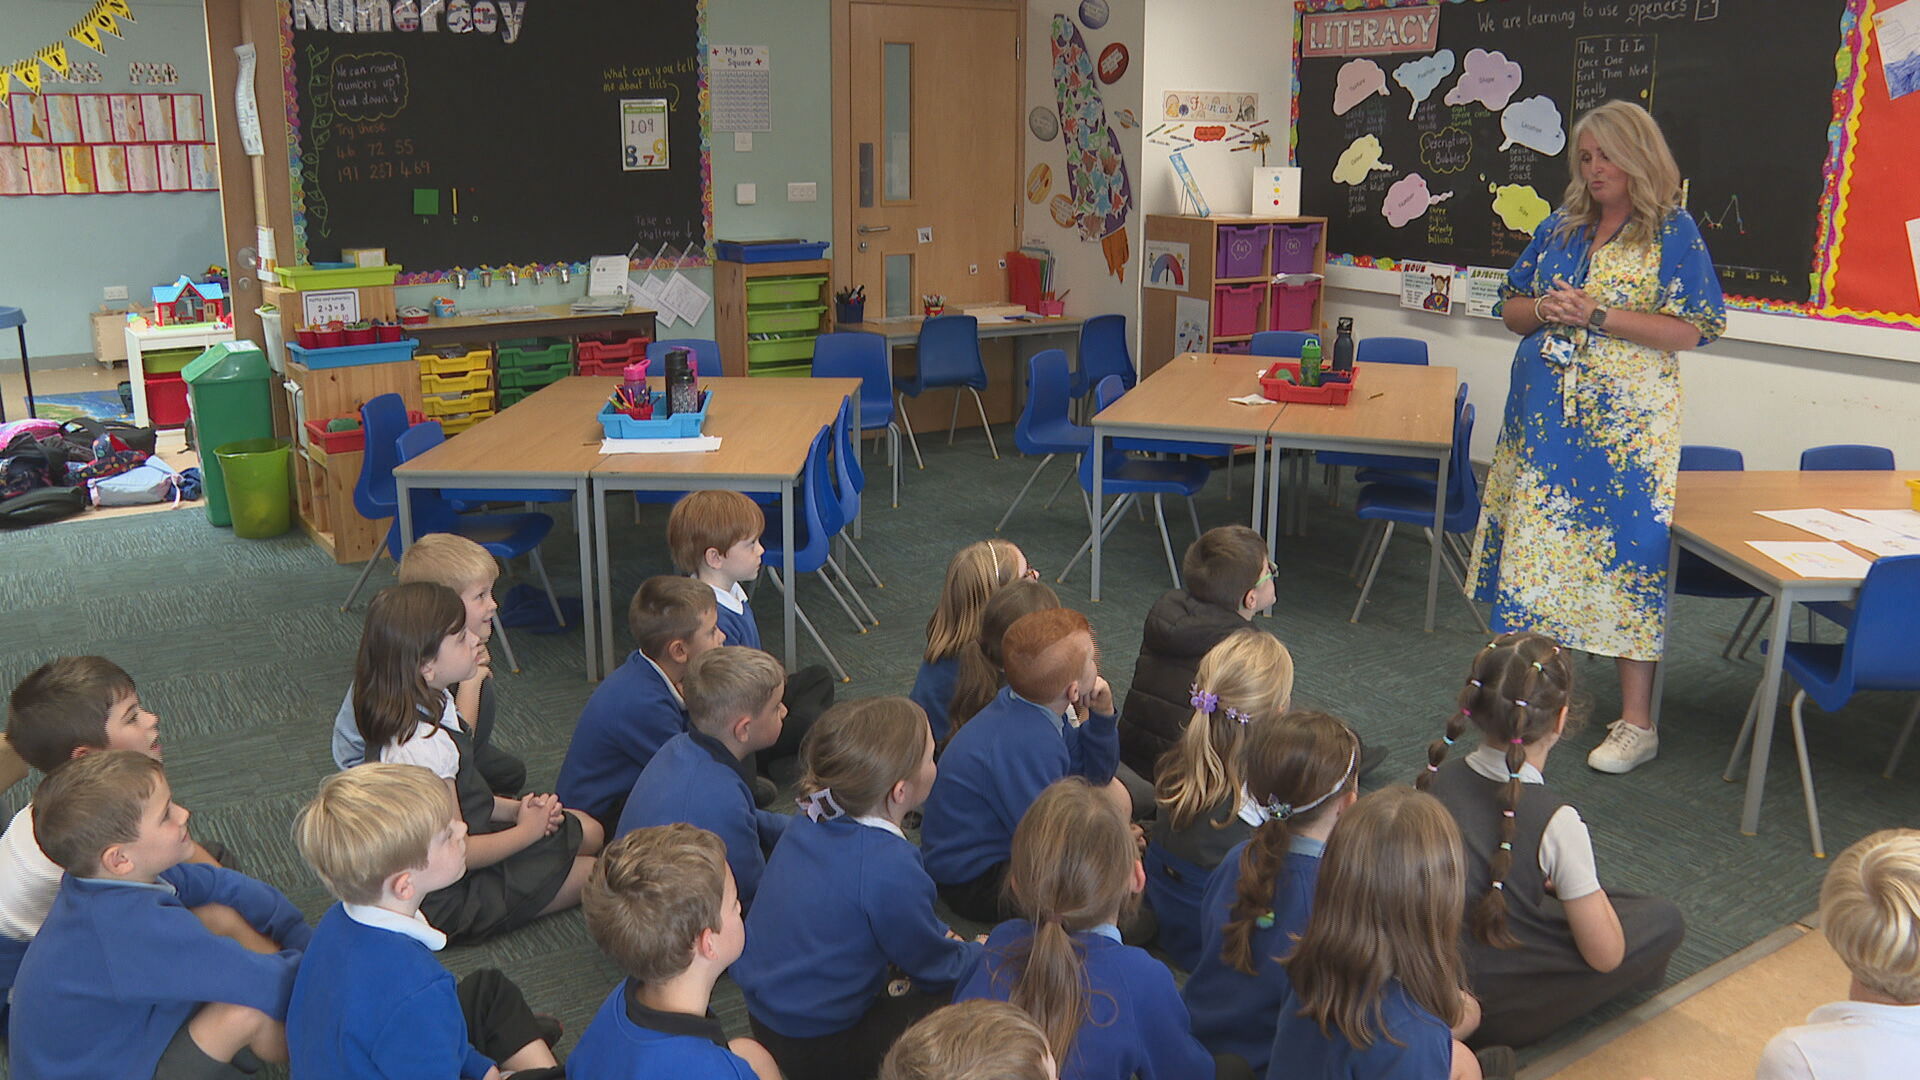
{"type": "Point", "coordinates": [930, 201]}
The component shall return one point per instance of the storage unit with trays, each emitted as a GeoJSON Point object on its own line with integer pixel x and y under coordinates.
{"type": "Point", "coordinates": [768, 311]}
{"type": "Point", "coordinates": [324, 478]}
{"type": "Point", "coordinates": [456, 385]}
{"type": "Point", "coordinates": [1232, 259]}
{"type": "Point", "coordinates": [529, 364]}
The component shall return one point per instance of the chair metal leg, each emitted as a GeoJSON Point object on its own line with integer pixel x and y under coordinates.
{"type": "Point", "coordinates": [1806, 777]}
{"type": "Point", "coordinates": [365, 572]}
{"type": "Point", "coordinates": [893, 460]}
{"type": "Point", "coordinates": [1057, 488]}
{"type": "Point", "coordinates": [1166, 542]}
{"type": "Point", "coordinates": [827, 580]}
{"type": "Point", "coordinates": [1231, 454]}
{"type": "Point", "coordinates": [1733, 639]}
{"type": "Point", "coordinates": [1745, 737]}
{"type": "Point", "coordinates": [984, 426]}
{"type": "Point", "coordinates": [1900, 744]}
{"type": "Point", "coordinates": [907, 422]}
{"type": "Point", "coordinates": [1365, 546]}
{"type": "Point", "coordinates": [1104, 524]}
{"type": "Point", "coordinates": [1766, 615]}
{"type": "Point", "coordinates": [857, 599]}
{"type": "Point", "coordinates": [1367, 587]}
{"type": "Point", "coordinates": [553, 601]}
{"type": "Point", "coordinates": [865, 565]}
{"type": "Point", "coordinates": [807, 624]}
{"type": "Point", "coordinates": [500, 635]}
{"type": "Point", "coordinates": [953, 420]}
{"type": "Point", "coordinates": [1456, 572]}
{"type": "Point", "coordinates": [1023, 492]}
{"type": "Point", "coordinates": [1193, 515]}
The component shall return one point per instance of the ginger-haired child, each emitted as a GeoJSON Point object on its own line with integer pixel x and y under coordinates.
{"type": "Point", "coordinates": [983, 662]}
{"type": "Point", "coordinates": [371, 999]}
{"type": "Point", "coordinates": [663, 907]}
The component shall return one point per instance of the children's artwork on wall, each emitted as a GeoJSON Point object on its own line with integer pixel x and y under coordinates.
{"type": "Point", "coordinates": [143, 168]}
{"type": "Point", "coordinates": [110, 169]}
{"type": "Point", "coordinates": [13, 171]}
{"type": "Point", "coordinates": [96, 118]}
{"type": "Point", "coordinates": [156, 110]}
{"type": "Point", "coordinates": [1099, 188]}
{"type": "Point", "coordinates": [43, 171]}
{"type": "Point", "coordinates": [1094, 13]}
{"type": "Point", "coordinates": [1191, 317]}
{"type": "Point", "coordinates": [1039, 183]}
{"type": "Point", "coordinates": [1209, 106]}
{"type": "Point", "coordinates": [76, 169]}
{"type": "Point", "coordinates": [203, 168]}
{"type": "Point", "coordinates": [29, 118]}
{"type": "Point", "coordinates": [127, 124]}
{"type": "Point", "coordinates": [1167, 265]}
{"type": "Point", "coordinates": [63, 118]}
{"type": "Point", "coordinates": [88, 136]}
{"type": "Point", "coordinates": [189, 123]}
{"type": "Point", "coordinates": [173, 167]}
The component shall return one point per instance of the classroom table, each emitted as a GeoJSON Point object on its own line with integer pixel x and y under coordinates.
{"type": "Point", "coordinates": [1714, 515]}
{"type": "Point", "coordinates": [548, 440]}
{"type": "Point", "coordinates": [1186, 400]}
{"type": "Point", "coordinates": [766, 427]}
{"type": "Point", "coordinates": [1403, 409]}
{"type": "Point", "coordinates": [551, 320]}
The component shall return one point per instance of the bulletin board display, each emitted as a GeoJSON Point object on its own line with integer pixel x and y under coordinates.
{"type": "Point", "coordinates": [1441, 134]}
{"type": "Point", "coordinates": [471, 133]}
{"type": "Point", "coordinates": [104, 144]}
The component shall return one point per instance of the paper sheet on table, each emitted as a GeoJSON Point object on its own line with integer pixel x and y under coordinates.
{"type": "Point", "coordinates": [1253, 399]}
{"type": "Point", "coordinates": [1813, 558]}
{"type": "Point", "coordinates": [1904, 522]}
{"type": "Point", "coordinates": [1833, 525]}
{"type": "Point", "coordinates": [698, 444]}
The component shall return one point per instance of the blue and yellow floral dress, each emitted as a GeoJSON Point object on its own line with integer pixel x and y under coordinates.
{"type": "Point", "coordinates": [1573, 540]}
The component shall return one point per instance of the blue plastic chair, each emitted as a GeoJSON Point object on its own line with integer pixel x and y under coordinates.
{"type": "Point", "coordinates": [1695, 576]}
{"type": "Point", "coordinates": [382, 419]}
{"type": "Point", "coordinates": [849, 482]}
{"type": "Point", "coordinates": [1278, 342]}
{"type": "Point", "coordinates": [1103, 351]}
{"type": "Point", "coordinates": [864, 356]}
{"type": "Point", "coordinates": [1046, 423]}
{"type": "Point", "coordinates": [1383, 350]}
{"type": "Point", "coordinates": [1846, 457]}
{"type": "Point", "coordinates": [504, 536]}
{"type": "Point", "coordinates": [1131, 478]}
{"type": "Point", "coordinates": [1398, 504]}
{"type": "Point", "coordinates": [1390, 350]}
{"type": "Point", "coordinates": [706, 355]}
{"type": "Point", "coordinates": [948, 356]}
{"type": "Point", "coordinates": [1877, 655]}
{"type": "Point", "coordinates": [810, 544]}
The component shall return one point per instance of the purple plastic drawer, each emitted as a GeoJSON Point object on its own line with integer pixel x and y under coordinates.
{"type": "Point", "coordinates": [1242, 251]}
{"type": "Point", "coordinates": [1293, 248]}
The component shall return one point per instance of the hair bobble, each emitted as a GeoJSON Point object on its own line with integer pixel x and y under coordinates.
{"type": "Point", "coordinates": [820, 806]}
{"type": "Point", "coordinates": [1467, 713]}
{"type": "Point", "coordinates": [1239, 717]}
{"type": "Point", "coordinates": [1517, 740]}
{"type": "Point", "coordinates": [1520, 702]}
{"type": "Point", "coordinates": [1204, 700]}
{"type": "Point", "coordinates": [1278, 811]}
{"type": "Point", "coordinates": [1448, 739]}
{"type": "Point", "coordinates": [1475, 683]}
{"type": "Point", "coordinates": [1500, 885]}
{"type": "Point", "coordinates": [1537, 667]}
{"type": "Point", "coordinates": [1433, 768]}
{"type": "Point", "coordinates": [1513, 776]}
{"type": "Point", "coordinates": [1504, 846]}
{"type": "Point", "coordinates": [1506, 813]}
{"type": "Point", "coordinates": [1264, 920]}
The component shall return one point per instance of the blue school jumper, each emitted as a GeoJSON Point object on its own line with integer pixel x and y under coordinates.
{"type": "Point", "coordinates": [119, 966]}
{"type": "Point", "coordinates": [1233, 1012]}
{"type": "Point", "coordinates": [631, 714]}
{"type": "Point", "coordinates": [933, 691]}
{"type": "Point", "coordinates": [1301, 1052]}
{"type": "Point", "coordinates": [696, 779]}
{"type": "Point", "coordinates": [1135, 1024]}
{"type": "Point", "coordinates": [628, 1041]}
{"type": "Point", "coordinates": [842, 901]}
{"type": "Point", "coordinates": [375, 1002]}
{"type": "Point", "coordinates": [737, 625]}
{"type": "Point", "coordinates": [993, 770]}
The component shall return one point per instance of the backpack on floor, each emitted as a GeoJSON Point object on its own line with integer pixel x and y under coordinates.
{"type": "Point", "coordinates": [29, 462]}
{"type": "Point", "coordinates": [87, 431]}
{"type": "Point", "coordinates": [42, 505]}
{"type": "Point", "coordinates": [152, 481]}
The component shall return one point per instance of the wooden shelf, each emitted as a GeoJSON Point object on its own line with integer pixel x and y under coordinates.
{"type": "Point", "coordinates": [730, 303]}
{"type": "Point", "coordinates": [1201, 235]}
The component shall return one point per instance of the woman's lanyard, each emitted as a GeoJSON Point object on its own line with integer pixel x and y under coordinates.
{"type": "Point", "coordinates": [1559, 349]}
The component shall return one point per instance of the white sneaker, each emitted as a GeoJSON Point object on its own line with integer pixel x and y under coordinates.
{"type": "Point", "coordinates": [1626, 748]}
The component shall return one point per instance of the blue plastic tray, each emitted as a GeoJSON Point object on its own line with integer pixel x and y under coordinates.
{"type": "Point", "coordinates": [796, 251]}
{"type": "Point", "coordinates": [678, 426]}
{"type": "Point", "coordinates": [381, 352]}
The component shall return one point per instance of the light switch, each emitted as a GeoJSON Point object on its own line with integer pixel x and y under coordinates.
{"type": "Point", "coordinates": [743, 141]}
{"type": "Point", "coordinates": [745, 194]}
{"type": "Point", "coordinates": [807, 192]}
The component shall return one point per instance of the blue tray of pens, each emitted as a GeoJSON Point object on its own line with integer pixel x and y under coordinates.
{"type": "Point", "coordinates": [681, 425]}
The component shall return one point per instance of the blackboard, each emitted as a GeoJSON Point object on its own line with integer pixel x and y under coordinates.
{"type": "Point", "coordinates": [1743, 89]}
{"type": "Point", "coordinates": [462, 133]}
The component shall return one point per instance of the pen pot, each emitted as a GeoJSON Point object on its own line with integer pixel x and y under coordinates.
{"type": "Point", "coordinates": [850, 311]}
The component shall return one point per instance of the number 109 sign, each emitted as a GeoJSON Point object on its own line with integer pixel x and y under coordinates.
{"type": "Point", "coordinates": [643, 134]}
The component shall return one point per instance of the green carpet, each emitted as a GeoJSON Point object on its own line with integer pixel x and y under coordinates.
{"type": "Point", "coordinates": [242, 649]}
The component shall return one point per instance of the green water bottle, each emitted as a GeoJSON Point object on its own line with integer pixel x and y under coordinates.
{"type": "Point", "coordinates": [1310, 362]}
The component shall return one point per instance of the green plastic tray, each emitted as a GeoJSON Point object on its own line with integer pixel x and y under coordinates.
{"type": "Point", "coordinates": [534, 375]}
{"type": "Point", "coordinates": [352, 277]}
{"type": "Point", "coordinates": [780, 371]}
{"type": "Point", "coordinates": [535, 353]}
{"type": "Point", "coordinates": [783, 320]}
{"type": "Point", "coordinates": [785, 290]}
{"type": "Point", "coordinates": [780, 350]}
{"type": "Point", "coordinates": [168, 361]}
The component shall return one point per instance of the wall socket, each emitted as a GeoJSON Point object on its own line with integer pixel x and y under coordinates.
{"type": "Point", "coordinates": [115, 292]}
{"type": "Point", "coordinates": [746, 194]}
{"type": "Point", "coordinates": [808, 192]}
{"type": "Point", "coordinates": [973, 268]}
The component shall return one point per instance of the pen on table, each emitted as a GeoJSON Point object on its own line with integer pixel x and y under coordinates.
{"type": "Point", "coordinates": [1381, 394]}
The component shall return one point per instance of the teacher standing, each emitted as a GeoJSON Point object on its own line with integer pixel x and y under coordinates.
{"type": "Point", "coordinates": [1573, 541]}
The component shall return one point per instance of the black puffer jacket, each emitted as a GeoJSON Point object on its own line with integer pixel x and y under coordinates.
{"type": "Point", "coordinates": [1180, 629]}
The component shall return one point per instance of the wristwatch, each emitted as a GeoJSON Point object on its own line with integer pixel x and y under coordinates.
{"type": "Point", "coordinates": [1598, 320]}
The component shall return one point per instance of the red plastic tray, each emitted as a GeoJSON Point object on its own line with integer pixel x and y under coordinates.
{"type": "Point", "coordinates": [347, 442]}
{"type": "Point", "coordinates": [1329, 392]}
{"type": "Point", "coordinates": [600, 352]}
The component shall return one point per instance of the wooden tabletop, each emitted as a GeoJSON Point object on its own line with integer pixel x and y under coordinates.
{"type": "Point", "coordinates": [907, 327]}
{"type": "Point", "coordinates": [551, 318]}
{"type": "Point", "coordinates": [550, 433]}
{"type": "Point", "coordinates": [1717, 509]}
{"type": "Point", "coordinates": [1408, 404]}
{"type": "Point", "coordinates": [1190, 393]}
{"type": "Point", "coordinates": [765, 425]}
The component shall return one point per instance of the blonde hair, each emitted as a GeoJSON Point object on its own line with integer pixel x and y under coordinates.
{"type": "Point", "coordinates": [1630, 138]}
{"type": "Point", "coordinates": [1250, 677]}
{"type": "Point", "coordinates": [1870, 912]}
{"type": "Point", "coordinates": [651, 893]}
{"type": "Point", "coordinates": [973, 574]}
{"type": "Point", "coordinates": [450, 560]}
{"type": "Point", "coordinates": [726, 683]}
{"type": "Point", "coordinates": [370, 822]}
{"type": "Point", "coordinates": [92, 803]}
{"type": "Point", "coordinates": [860, 749]}
{"type": "Point", "coordinates": [715, 519]}
{"type": "Point", "coordinates": [1386, 909]}
{"type": "Point", "coordinates": [974, 1040]}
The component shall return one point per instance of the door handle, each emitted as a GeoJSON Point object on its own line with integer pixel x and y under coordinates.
{"type": "Point", "coordinates": [875, 228]}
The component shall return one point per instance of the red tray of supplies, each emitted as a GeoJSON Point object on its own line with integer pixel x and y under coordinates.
{"type": "Point", "coordinates": [352, 440]}
{"type": "Point", "coordinates": [1334, 389]}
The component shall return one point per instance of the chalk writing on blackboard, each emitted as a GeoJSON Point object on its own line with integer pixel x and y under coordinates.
{"type": "Point", "coordinates": [1613, 67]}
{"type": "Point", "coordinates": [369, 86]}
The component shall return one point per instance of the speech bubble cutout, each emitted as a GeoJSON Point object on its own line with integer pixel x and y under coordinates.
{"type": "Point", "coordinates": [1408, 198]}
{"type": "Point", "coordinates": [1534, 123]}
{"type": "Point", "coordinates": [1362, 156]}
{"type": "Point", "coordinates": [1357, 81]}
{"type": "Point", "coordinates": [1520, 207]}
{"type": "Point", "coordinates": [1421, 77]}
{"type": "Point", "coordinates": [1449, 150]}
{"type": "Point", "coordinates": [1488, 77]}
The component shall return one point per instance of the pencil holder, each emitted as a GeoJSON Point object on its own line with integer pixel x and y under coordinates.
{"type": "Point", "coordinates": [850, 311]}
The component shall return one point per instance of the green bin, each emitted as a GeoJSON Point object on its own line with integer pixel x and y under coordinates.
{"type": "Point", "coordinates": [229, 388]}
{"type": "Point", "coordinates": [259, 475]}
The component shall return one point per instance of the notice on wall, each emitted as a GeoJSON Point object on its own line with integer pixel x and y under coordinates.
{"type": "Point", "coordinates": [246, 107]}
{"type": "Point", "coordinates": [329, 305]}
{"type": "Point", "coordinates": [1191, 315]}
{"type": "Point", "coordinates": [741, 77]}
{"type": "Point", "coordinates": [643, 134]}
{"type": "Point", "coordinates": [1483, 290]}
{"type": "Point", "coordinates": [1168, 264]}
{"type": "Point", "coordinates": [1210, 106]}
{"type": "Point", "coordinates": [1426, 287]}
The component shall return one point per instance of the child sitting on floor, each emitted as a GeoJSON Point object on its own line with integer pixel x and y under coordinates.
{"type": "Point", "coordinates": [974, 574]}
{"type": "Point", "coordinates": [371, 1000]}
{"type": "Point", "coordinates": [1870, 914]}
{"type": "Point", "coordinates": [733, 702]}
{"type": "Point", "coordinates": [662, 905]}
{"type": "Point", "coordinates": [122, 979]}
{"type": "Point", "coordinates": [974, 1040]}
{"type": "Point", "coordinates": [525, 857]}
{"type": "Point", "coordinates": [638, 707]}
{"type": "Point", "coordinates": [983, 663]}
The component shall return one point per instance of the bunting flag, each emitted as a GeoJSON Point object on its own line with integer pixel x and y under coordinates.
{"type": "Point", "coordinates": [103, 17]}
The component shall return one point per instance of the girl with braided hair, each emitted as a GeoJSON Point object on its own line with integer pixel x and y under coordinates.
{"type": "Point", "coordinates": [1300, 774]}
{"type": "Point", "coordinates": [1203, 806]}
{"type": "Point", "coordinates": [1543, 942]}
